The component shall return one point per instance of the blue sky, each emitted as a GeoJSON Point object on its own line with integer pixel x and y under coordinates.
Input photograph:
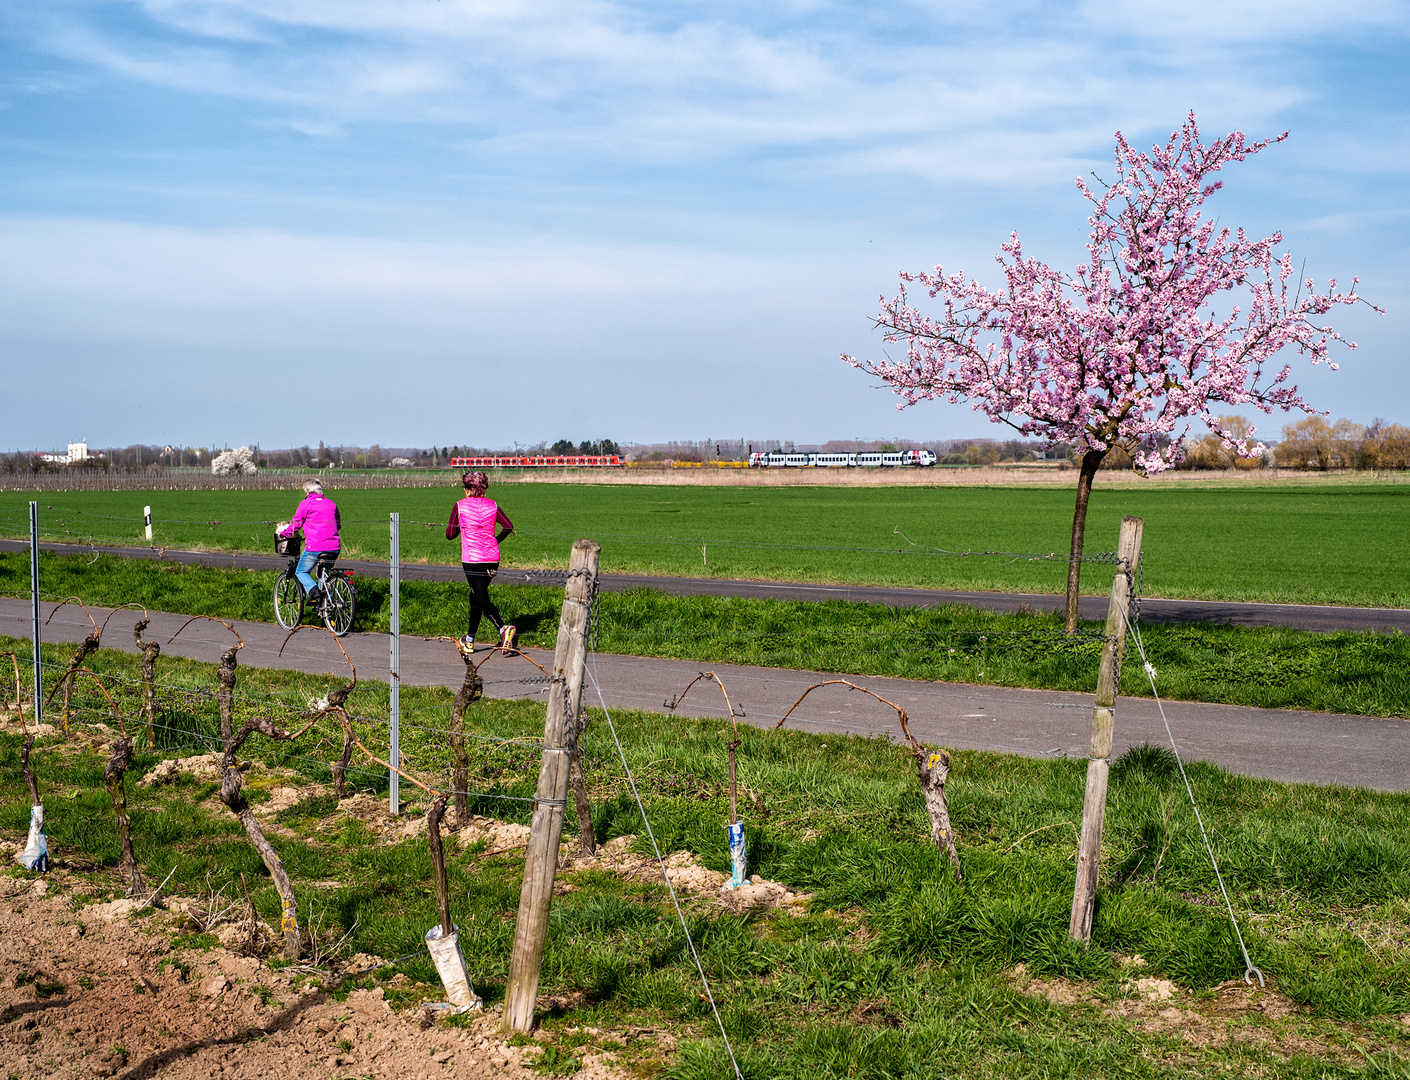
{"type": "Point", "coordinates": [434, 221]}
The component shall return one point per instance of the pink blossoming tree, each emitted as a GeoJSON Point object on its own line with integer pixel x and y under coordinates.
{"type": "Point", "coordinates": [1129, 347]}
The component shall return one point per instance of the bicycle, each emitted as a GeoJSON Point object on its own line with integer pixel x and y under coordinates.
{"type": "Point", "coordinates": [336, 593]}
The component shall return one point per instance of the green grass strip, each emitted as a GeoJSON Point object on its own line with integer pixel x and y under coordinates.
{"type": "Point", "coordinates": [1359, 673]}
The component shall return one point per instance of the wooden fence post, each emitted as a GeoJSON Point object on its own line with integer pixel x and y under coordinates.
{"type": "Point", "coordinates": [541, 860]}
{"type": "Point", "coordinates": [1084, 896]}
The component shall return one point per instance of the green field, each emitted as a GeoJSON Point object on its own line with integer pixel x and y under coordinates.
{"type": "Point", "coordinates": [1362, 673]}
{"type": "Point", "coordinates": [1333, 543]}
{"type": "Point", "coordinates": [890, 970]}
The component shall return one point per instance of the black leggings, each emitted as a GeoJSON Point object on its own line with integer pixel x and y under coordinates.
{"type": "Point", "coordinates": [479, 575]}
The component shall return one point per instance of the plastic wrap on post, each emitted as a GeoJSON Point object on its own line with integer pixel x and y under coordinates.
{"type": "Point", "coordinates": [738, 857]}
{"type": "Point", "coordinates": [35, 855]}
{"type": "Point", "coordinates": [450, 965]}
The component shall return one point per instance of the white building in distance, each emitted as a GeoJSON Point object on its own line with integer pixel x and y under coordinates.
{"type": "Point", "coordinates": [78, 453]}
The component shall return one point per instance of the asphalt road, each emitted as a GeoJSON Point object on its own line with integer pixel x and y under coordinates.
{"type": "Point", "coordinates": [1278, 744]}
{"type": "Point", "coordinates": [1322, 618]}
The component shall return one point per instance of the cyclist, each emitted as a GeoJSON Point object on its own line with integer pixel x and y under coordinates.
{"type": "Point", "coordinates": [318, 516]}
{"type": "Point", "coordinates": [474, 519]}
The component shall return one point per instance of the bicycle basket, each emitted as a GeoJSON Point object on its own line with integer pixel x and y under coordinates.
{"type": "Point", "coordinates": [287, 545]}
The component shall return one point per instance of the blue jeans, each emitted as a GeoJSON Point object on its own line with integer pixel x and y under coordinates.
{"type": "Point", "coordinates": [306, 561]}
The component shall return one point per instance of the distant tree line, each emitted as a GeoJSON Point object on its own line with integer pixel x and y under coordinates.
{"type": "Point", "coordinates": [1313, 444]}
{"type": "Point", "coordinates": [143, 456]}
{"type": "Point", "coordinates": [565, 447]}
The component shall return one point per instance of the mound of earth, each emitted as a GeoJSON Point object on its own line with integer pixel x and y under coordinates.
{"type": "Point", "coordinates": [687, 877]}
{"type": "Point", "coordinates": [497, 835]}
{"type": "Point", "coordinates": [201, 767]}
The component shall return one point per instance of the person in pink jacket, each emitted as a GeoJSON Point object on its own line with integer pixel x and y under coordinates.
{"type": "Point", "coordinates": [318, 517]}
{"type": "Point", "coordinates": [474, 519]}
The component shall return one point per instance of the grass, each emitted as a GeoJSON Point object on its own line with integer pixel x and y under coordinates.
{"type": "Point", "coordinates": [1335, 543]}
{"type": "Point", "coordinates": [892, 969]}
{"type": "Point", "coordinates": [1360, 673]}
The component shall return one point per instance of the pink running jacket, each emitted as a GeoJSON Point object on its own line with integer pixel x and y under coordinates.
{"type": "Point", "coordinates": [474, 521]}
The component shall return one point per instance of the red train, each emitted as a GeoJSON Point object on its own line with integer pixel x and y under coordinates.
{"type": "Point", "coordinates": [514, 461]}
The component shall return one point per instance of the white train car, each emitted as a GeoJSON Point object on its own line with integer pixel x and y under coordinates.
{"type": "Point", "coordinates": [777, 459]}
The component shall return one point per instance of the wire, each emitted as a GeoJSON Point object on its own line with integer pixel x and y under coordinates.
{"type": "Point", "coordinates": [215, 743]}
{"type": "Point", "coordinates": [629, 538]}
{"type": "Point", "coordinates": [662, 863]}
{"type": "Point", "coordinates": [1250, 969]}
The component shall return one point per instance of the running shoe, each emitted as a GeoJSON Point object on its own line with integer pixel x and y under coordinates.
{"type": "Point", "coordinates": [466, 644]}
{"type": "Point", "coordinates": [506, 638]}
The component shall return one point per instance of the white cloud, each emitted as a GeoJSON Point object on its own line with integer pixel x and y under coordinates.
{"type": "Point", "coordinates": [685, 83]}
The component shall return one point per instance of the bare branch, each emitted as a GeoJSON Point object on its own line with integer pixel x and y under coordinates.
{"type": "Point", "coordinates": [212, 618]}
{"type": "Point", "coordinates": [335, 697]}
{"type": "Point", "coordinates": [265, 727]}
{"type": "Point", "coordinates": [707, 676]}
{"type": "Point", "coordinates": [900, 712]}
{"type": "Point", "coordinates": [124, 607]}
{"type": "Point", "coordinates": [80, 603]}
{"type": "Point", "coordinates": [98, 681]}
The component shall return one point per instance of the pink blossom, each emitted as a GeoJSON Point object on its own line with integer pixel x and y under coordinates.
{"type": "Point", "coordinates": [1129, 348]}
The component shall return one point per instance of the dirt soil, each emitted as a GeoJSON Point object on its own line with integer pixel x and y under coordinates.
{"type": "Point", "coordinates": [99, 991]}
{"type": "Point", "coordinates": [1232, 1013]}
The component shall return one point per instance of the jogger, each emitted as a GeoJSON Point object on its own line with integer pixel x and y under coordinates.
{"type": "Point", "coordinates": [474, 519]}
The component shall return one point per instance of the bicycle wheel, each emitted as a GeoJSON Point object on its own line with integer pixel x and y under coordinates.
{"type": "Point", "coordinates": [337, 606]}
{"type": "Point", "coordinates": [288, 601]}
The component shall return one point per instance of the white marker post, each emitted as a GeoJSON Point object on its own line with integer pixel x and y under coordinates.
{"type": "Point", "coordinates": [147, 520]}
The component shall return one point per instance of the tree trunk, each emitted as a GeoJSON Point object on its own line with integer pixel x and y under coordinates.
{"type": "Point", "coordinates": [64, 715]}
{"type": "Point", "coordinates": [113, 777]}
{"type": "Point", "coordinates": [438, 862]}
{"type": "Point", "coordinates": [470, 691]}
{"type": "Point", "coordinates": [29, 772]}
{"type": "Point", "coordinates": [88, 645]}
{"type": "Point", "coordinates": [150, 651]}
{"type": "Point", "coordinates": [1091, 460]}
{"type": "Point", "coordinates": [340, 770]}
{"type": "Point", "coordinates": [225, 696]}
{"type": "Point", "coordinates": [933, 768]}
{"type": "Point", "coordinates": [231, 796]}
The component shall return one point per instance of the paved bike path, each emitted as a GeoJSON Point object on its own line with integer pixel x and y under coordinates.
{"type": "Point", "coordinates": [1324, 618]}
{"type": "Point", "coordinates": [1278, 744]}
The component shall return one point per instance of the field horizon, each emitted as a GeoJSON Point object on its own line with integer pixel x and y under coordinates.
{"type": "Point", "coordinates": [1053, 474]}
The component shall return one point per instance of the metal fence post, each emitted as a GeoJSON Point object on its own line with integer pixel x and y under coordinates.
{"type": "Point", "coordinates": [394, 751]}
{"type": "Point", "coordinates": [34, 602]}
